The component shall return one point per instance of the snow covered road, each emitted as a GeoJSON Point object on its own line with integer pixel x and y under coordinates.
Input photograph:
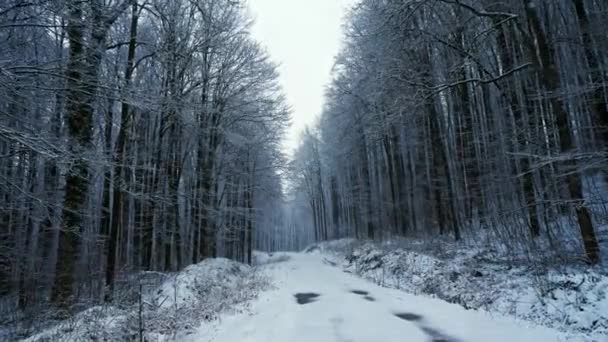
{"type": "Point", "coordinates": [316, 302]}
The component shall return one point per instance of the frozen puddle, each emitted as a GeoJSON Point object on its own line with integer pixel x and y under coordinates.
{"type": "Point", "coordinates": [332, 306]}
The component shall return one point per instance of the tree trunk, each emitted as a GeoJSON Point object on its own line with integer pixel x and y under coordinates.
{"type": "Point", "coordinates": [119, 161]}
{"type": "Point", "coordinates": [527, 177]}
{"type": "Point", "coordinates": [598, 95]}
{"type": "Point", "coordinates": [79, 117]}
{"type": "Point", "coordinates": [549, 76]}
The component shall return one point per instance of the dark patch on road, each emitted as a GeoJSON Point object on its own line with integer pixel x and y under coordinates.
{"type": "Point", "coordinates": [360, 292]}
{"type": "Point", "coordinates": [435, 334]}
{"type": "Point", "coordinates": [306, 297]}
{"type": "Point", "coordinates": [365, 295]}
{"type": "Point", "coordinates": [408, 316]}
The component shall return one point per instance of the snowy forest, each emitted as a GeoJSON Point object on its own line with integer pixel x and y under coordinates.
{"type": "Point", "coordinates": [486, 120]}
{"type": "Point", "coordinates": [134, 135]}
{"type": "Point", "coordinates": [142, 138]}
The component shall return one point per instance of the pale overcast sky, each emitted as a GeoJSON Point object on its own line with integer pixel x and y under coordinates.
{"type": "Point", "coordinates": [303, 36]}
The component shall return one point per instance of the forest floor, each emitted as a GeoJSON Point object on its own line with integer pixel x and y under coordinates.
{"type": "Point", "coordinates": [570, 297]}
{"type": "Point", "coordinates": [313, 300]}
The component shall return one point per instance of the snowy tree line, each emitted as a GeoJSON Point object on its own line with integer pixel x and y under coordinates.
{"type": "Point", "coordinates": [464, 118]}
{"type": "Point", "coordinates": [134, 135]}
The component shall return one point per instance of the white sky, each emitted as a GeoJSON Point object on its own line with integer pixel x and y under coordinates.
{"type": "Point", "coordinates": [303, 36]}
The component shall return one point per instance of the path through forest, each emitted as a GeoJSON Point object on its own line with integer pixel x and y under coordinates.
{"type": "Point", "coordinates": [315, 301]}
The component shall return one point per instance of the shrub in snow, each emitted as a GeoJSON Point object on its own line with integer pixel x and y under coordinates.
{"type": "Point", "coordinates": [176, 304]}
{"type": "Point", "coordinates": [573, 299]}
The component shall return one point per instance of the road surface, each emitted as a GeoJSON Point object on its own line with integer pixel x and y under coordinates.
{"type": "Point", "coordinates": [316, 302]}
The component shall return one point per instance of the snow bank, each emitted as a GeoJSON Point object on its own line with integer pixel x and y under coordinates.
{"type": "Point", "coordinates": [206, 280]}
{"type": "Point", "coordinates": [573, 299]}
{"type": "Point", "coordinates": [175, 306]}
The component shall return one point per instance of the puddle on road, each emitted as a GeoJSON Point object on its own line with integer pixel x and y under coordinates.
{"type": "Point", "coordinates": [365, 295]}
{"type": "Point", "coordinates": [360, 292]}
{"type": "Point", "coordinates": [435, 334]}
{"type": "Point", "coordinates": [408, 316]}
{"type": "Point", "coordinates": [306, 297]}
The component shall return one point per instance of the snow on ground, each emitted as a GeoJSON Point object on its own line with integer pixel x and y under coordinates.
{"type": "Point", "coordinates": [571, 299]}
{"type": "Point", "coordinates": [169, 310]}
{"type": "Point", "coordinates": [211, 278]}
{"type": "Point", "coordinates": [314, 301]}
{"type": "Point", "coordinates": [307, 297]}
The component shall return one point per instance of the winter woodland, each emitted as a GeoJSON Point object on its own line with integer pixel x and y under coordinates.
{"type": "Point", "coordinates": [485, 120]}
{"type": "Point", "coordinates": [147, 135]}
{"type": "Point", "coordinates": [134, 135]}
